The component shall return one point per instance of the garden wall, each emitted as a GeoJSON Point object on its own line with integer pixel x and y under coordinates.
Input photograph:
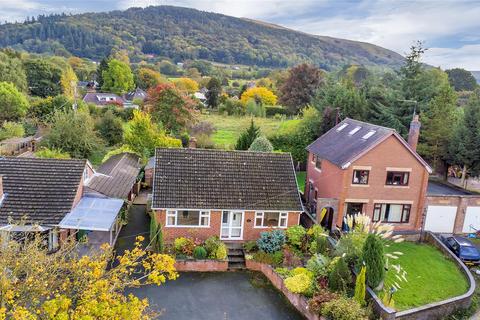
{"type": "Point", "coordinates": [297, 300]}
{"type": "Point", "coordinates": [436, 310]}
{"type": "Point", "coordinates": [201, 265]}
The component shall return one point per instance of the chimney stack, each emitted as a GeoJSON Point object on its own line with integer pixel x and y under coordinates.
{"type": "Point", "coordinates": [414, 132]}
{"type": "Point", "coordinates": [192, 143]}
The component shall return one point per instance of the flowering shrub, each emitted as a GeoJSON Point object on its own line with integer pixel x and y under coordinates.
{"type": "Point", "coordinates": [271, 241]}
{"type": "Point", "coordinates": [295, 235]}
{"type": "Point", "coordinates": [343, 308]}
{"type": "Point", "coordinates": [184, 246]}
{"type": "Point", "coordinates": [301, 283]}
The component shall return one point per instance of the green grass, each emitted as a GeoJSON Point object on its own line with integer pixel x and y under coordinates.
{"type": "Point", "coordinates": [431, 276]}
{"type": "Point", "coordinates": [229, 128]}
{"type": "Point", "coordinates": [301, 175]}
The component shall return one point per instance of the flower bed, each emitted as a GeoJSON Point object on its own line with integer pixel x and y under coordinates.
{"type": "Point", "coordinates": [206, 265]}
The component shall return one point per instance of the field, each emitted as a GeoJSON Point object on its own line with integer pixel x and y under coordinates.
{"type": "Point", "coordinates": [229, 128]}
{"type": "Point", "coordinates": [431, 277]}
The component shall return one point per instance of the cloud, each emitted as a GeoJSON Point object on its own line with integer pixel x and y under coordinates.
{"type": "Point", "coordinates": [464, 57]}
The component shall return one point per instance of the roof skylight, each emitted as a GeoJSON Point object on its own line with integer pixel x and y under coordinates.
{"type": "Point", "coordinates": [343, 126]}
{"type": "Point", "coordinates": [369, 134]}
{"type": "Point", "coordinates": [354, 130]}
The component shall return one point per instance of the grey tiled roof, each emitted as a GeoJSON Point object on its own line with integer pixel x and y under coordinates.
{"type": "Point", "coordinates": [341, 147]}
{"type": "Point", "coordinates": [41, 190]}
{"type": "Point", "coordinates": [135, 94]}
{"type": "Point", "coordinates": [116, 176]}
{"type": "Point", "coordinates": [94, 97]}
{"type": "Point", "coordinates": [214, 179]}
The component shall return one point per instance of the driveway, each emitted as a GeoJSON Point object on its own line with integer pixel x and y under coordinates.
{"type": "Point", "coordinates": [138, 224]}
{"type": "Point", "coordinates": [218, 296]}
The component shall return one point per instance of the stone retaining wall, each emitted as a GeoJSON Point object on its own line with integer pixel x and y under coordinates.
{"type": "Point", "coordinates": [201, 265]}
{"type": "Point", "coordinates": [297, 300]}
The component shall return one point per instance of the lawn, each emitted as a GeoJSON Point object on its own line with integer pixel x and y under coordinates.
{"type": "Point", "coordinates": [431, 277]}
{"type": "Point", "coordinates": [229, 128]}
{"type": "Point", "coordinates": [301, 180]}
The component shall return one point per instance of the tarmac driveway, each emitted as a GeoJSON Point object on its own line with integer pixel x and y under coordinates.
{"type": "Point", "coordinates": [218, 296]}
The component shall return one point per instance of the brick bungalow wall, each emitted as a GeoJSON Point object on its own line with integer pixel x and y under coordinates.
{"type": "Point", "coordinates": [202, 233]}
{"type": "Point", "coordinates": [334, 182]}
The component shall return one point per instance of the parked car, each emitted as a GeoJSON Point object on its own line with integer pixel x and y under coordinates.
{"type": "Point", "coordinates": [463, 248]}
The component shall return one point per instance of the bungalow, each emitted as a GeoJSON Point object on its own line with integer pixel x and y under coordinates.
{"type": "Point", "coordinates": [231, 194]}
{"type": "Point", "coordinates": [358, 167]}
{"type": "Point", "coordinates": [103, 99]}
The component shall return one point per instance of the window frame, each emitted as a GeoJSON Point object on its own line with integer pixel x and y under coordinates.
{"type": "Point", "coordinates": [174, 214]}
{"type": "Point", "coordinates": [359, 183]}
{"type": "Point", "coordinates": [406, 211]}
{"type": "Point", "coordinates": [282, 215]}
{"type": "Point", "coordinates": [394, 173]}
{"type": "Point", "coordinates": [317, 162]}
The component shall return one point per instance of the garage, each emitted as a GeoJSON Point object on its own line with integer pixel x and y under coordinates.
{"type": "Point", "coordinates": [472, 220]}
{"type": "Point", "coordinates": [440, 218]}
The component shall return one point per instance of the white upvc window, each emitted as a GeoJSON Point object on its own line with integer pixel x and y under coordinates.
{"type": "Point", "coordinates": [187, 218]}
{"type": "Point", "coordinates": [271, 219]}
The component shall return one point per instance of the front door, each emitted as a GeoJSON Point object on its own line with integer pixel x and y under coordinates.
{"type": "Point", "coordinates": [232, 225]}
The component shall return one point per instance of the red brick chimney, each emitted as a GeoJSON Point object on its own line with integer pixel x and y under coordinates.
{"type": "Point", "coordinates": [192, 143]}
{"type": "Point", "coordinates": [414, 132]}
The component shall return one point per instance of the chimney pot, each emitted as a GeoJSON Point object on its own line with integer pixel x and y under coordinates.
{"type": "Point", "coordinates": [414, 132]}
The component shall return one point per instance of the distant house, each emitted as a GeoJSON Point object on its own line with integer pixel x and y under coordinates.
{"type": "Point", "coordinates": [137, 94]}
{"type": "Point", "coordinates": [200, 96]}
{"type": "Point", "coordinates": [358, 167]}
{"type": "Point", "coordinates": [103, 99]}
{"type": "Point", "coordinates": [234, 195]}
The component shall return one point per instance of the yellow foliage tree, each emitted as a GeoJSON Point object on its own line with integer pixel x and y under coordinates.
{"type": "Point", "coordinates": [259, 95]}
{"type": "Point", "coordinates": [186, 85]}
{"type": "Point", "coordinates": [68, 80]}
{"type": "Point", "coordinates": [37, 285]}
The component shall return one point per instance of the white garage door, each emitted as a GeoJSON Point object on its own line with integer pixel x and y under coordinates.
{"type": "Point", "coordinates": [472, 218]}
{"type": "Point", "coordinates": [440, 219]}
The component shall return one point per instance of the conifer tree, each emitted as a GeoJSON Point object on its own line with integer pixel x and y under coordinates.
{"type": "Point", "coordinates": [247, 137]}
{"type": "Point", "coordinates": [360, 286]}
{"type": "Point", "coordinates": [374, 259]}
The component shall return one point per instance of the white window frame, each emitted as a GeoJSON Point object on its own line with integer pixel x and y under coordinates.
{"type": "Point", "coordinates": [282, 215]}
{"type": "Point", "coordinates": [174, 214]}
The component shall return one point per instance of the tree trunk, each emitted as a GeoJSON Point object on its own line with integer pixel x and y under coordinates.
{"type": "Point", "coordinates": [464, 176]}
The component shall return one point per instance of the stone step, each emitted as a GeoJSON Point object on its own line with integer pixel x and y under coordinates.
{"type": "Point", "coordinates": [234, 245]}
{"type": "Point", "coordinates": [236, 259]}
{"type": "Point", "coordinates": [236, 265]}
{"type": "Point", "coordinates": [235, 252]}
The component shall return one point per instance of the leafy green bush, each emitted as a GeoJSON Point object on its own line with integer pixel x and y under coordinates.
{"type": "Point", "coordinates": [199, 253]}
{"type": "Point", "coordinates": [184, 245]}
{"type": "Point", "coordinates": [232, 107]}
{"type": "Point", "coordinates": [273, 259]}
{"type": "Point", "coordinates": [250, 246]}
{"type": "Point", "coordinates": [221, 253]}
{"type": "Point", "coordinates": [374, 259]}
{"type": "Point", "coordinates": [340, 277]}
{"type": "Point", "coordinates": [319, 245]}
{"type": "Point", "coordinates": [261, 144]}
{"type": "Point", "coordinates": [343, 308]}
{"type": "Point", "coordinates": [211, 245]}
{"type": "Point", "coordinates": [302, 270]}
{"type": "Point", "coordinates": [295, 235]}
{"type": "Point", "coordinates": [350, 246]}
{"type": "Point", "coordinates": [271, 111]}
{"type": "Point", "coordinates": [291, 257]}
{"type": "Point", "coordinates": [271, 241]}
{"type": "Point", "coordinates": [318, 265]}
{"type": "Point", "coordinates": [300, 283]}
{"type": "Point", "coordinates": [283, 272]}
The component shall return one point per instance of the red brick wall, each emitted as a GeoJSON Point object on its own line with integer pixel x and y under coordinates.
{"type": "Point", "coordinates": [249, 232]}
{"type": "Point", "coordinates": [149, 177]}
{"type": "Point", "coordinates": [389, 153]}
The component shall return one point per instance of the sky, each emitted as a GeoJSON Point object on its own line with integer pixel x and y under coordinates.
{"type": "Point", "coordinates": [449, 28]}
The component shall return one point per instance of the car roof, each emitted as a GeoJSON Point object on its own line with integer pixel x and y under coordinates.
{"type": "Point", "coordinates": [463, 241]}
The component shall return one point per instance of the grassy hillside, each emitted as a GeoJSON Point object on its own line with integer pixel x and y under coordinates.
{"type": "Point", "coordinates": [182, 33]}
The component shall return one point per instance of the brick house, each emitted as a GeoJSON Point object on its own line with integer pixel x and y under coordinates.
{"type": "Point", "coordinates": [231, 194]}
{"type": "Point", "coordinates": [357, 167]}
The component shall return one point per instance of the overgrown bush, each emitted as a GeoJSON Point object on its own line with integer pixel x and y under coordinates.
{"type": "Point", "coordinates": [374, 259]}
{"type": "Point", "coordinates": [200, 253]}
{"type": "Point", "coordinates": [295, 235]}
{"type": "Point", "coordinates": [340, 277]}
{"type": "Point", "coordinates": [350, 246]}
{"type": "Point", "coordinates": [318, 265]}
{"type": "Point", "coordinates": [221, 253]}
{"type": "Point", "coordinates": [250, 246]}
{"type": "Point", "coordinates": [184, 245]}
{"type": "Point", "coordinates": [273, 259]}
{"type": "Point", "coordinates": [271, 241]}
{"type": "Point", "coordinates": [291, 257]}
{"type": "Point", "coordinates": [319, 245]}
{"type": "Point", "coordinates": [211, 245]}
{"type": "Point", "coordinates": [301, 283]}
{"type": "Point", "coordinates": [321, 297]}
{"type": "Point", "coordinates": [261, 144]}
{"type": "Point", "coordinates": [343, 308]}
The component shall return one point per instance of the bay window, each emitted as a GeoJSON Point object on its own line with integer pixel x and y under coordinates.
{"type": "Point", "coordinates": [396, 213]}
{"type": "Point", "coordinates": [188, 218]}
{"type": "Point", "coordinates": [271, 219]}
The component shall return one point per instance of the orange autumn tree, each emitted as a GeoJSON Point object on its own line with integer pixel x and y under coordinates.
{"type": "Point", "coordinates": [62, 285]}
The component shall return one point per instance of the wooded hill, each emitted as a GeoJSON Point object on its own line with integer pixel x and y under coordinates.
{"type": "Point", "coordinates": [182, 33]}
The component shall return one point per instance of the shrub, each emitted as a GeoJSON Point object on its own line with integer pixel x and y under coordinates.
{"type": "Point", "coordinates": [360, 287]}
{"type": "Point", "coordinates": [315, 304]}
{"type": "Point", "coordinates": [199, 253]}
{"type": "Point", "coordinates": [184, 245]}
{"type": "Point", "coordinates": [221, 253]}
{"type": "Point", "coordinates": [283, 272]}
{"type": "Point", "coordinates": [273, 259]}
{"type": "Point", "coordinates": [247, 137]}
{"type": "Point", "coordinates": [295, 235]}
{"type": "Point", "coordinates": [261, 144]}
{"type": "Point", "coordinates": [302, 270]}
{"type": "Point", "coordinates": [351, 246]}
{"type": "Point", "coordinates": [339, 278]}
{"type": "Point", "coordinates": [211, 245]}
{"type": "Point", "coordinates": [232, 107]}
{"type": "Point", "coordinates": [271, 241]}
{"type": "Point", "coordinates": [374, 259]}
{"type": "Point", "coordinates": [301, 283]}
{"type": "Point", "coordinates": [250, 246]}
{"type": "Point", "coordinates": [291, 257]}
{"type": "Point", "coordinates": [319, 245]}
{"type": "Point", "coordinates": [271, 111]}
{"type": "Point", "coordinates": [318, 265]}
{"type": "Point", "coordinates": [343, 308]}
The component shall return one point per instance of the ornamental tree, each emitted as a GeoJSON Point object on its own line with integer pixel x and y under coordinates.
{"type": "Point", "coordinates": [36, 284]}
{"type": "Point", "coordinates": [260, 95]}
{"type": "Point", "coordinates": [146, 78]}
{"type": "Point", "coordinates": [186, 85]}
{"type": "Point", "coordinates": [118, 77]}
